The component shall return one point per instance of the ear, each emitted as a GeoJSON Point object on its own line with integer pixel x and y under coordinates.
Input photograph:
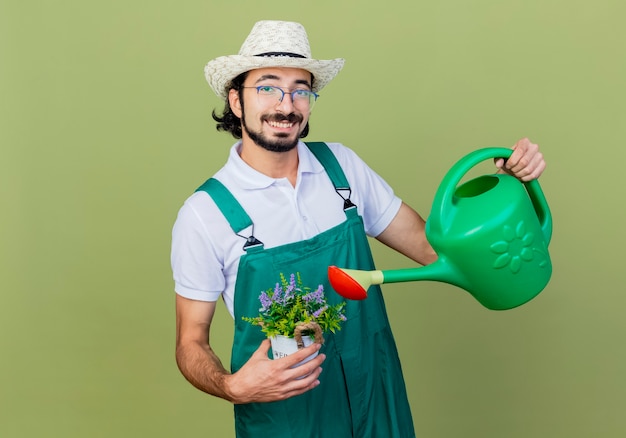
{"type": "Point", "coordinates": [234, 102]}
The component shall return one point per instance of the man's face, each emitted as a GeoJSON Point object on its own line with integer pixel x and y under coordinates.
{"type": "Point", "coordinates": [268, 121]}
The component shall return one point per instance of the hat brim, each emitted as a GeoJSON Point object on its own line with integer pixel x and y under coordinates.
{"type": "Point", "coordinates": [220, 71]}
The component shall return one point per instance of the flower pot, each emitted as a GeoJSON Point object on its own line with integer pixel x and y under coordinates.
{"type": "Point", "coordinates": [284, 346]}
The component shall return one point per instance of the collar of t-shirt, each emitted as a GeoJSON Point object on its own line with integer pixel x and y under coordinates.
{"type": "Point", "coordinates": [249, 178]}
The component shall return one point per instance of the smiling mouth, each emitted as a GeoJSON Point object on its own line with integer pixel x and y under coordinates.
{"type": "Point", "coordinates": [282, 125]}
{"type": "Point", "coordinates": [282, 121]}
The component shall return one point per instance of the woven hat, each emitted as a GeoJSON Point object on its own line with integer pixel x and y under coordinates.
{"type": "Point", "coordinates": [271, 44]}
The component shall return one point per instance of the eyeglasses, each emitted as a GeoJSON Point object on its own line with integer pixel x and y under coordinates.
{"type": "Point", "coordinates": [271, 95]}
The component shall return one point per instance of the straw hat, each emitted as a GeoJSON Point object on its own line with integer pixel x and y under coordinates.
{"type": "Point", "coordinates": [271, 44]}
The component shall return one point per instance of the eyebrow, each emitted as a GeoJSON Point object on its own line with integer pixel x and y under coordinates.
{"type": "Point", "coordinates": [274, 77]}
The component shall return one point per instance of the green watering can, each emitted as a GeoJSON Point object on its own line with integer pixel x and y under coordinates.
{"type": "Point", "coordinates": [491, 235]}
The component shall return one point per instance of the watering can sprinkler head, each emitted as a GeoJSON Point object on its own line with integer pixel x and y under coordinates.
{"type": "Point", "coordinates": [351, 283]}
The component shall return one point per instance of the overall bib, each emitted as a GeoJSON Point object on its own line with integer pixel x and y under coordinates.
{"type": "Point", "coordinates": [362, 391]}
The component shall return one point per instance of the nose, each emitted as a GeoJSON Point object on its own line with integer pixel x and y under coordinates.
{"type": "Point", "coordinates": [285, 104]}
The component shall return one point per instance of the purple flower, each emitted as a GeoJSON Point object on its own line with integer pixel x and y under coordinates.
{"type": "Point", "coordinates": [319, 311]}
{"type": "Point", "coordinates": [265, 300]}
{"type": "Point", "coordinates": [292, 281]}
{"type": "Point", "coordinates": [277, 296]}
{"type": "Point", "coordinates": [290, 288]}
{"type": "Point", "coordinates": [316, 297]}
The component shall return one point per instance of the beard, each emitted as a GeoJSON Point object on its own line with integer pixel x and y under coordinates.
{"type": "Point", "coordinates": [281, 142]}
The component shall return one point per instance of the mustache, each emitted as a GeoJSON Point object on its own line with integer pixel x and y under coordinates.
{"type": "Point", "coordinates": [289, 118]}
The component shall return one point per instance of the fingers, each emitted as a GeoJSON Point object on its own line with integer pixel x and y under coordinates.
{"type": "Point", "coordinates": [533, 170]}
{"type": "Point", "coordinates": [300, 377]}
{"type": "Point", "coordinates": [299, 369]}
{"type": "Point", "coordinates": [300, 355]}
{"type": "Point", "coordinates": [294, 380]}
{"type": "Point", "coordinates": [305, 381]}
{"type": "Point", "coordinates": [526, 162]}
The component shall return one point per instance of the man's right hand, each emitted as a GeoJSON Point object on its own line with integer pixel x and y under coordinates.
{"type": "Point", "coordinates": [262, 379]}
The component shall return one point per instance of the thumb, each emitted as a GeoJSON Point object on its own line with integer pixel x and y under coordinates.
{"type": "Point", "coordinates": [499, 163]}
{"type": "Point", "coordinates": [264, 348]}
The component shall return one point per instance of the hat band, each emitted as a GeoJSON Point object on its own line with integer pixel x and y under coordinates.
{"type": "Point", "coordinates": [289, 54]}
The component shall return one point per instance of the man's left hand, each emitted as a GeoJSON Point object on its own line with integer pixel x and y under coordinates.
{"type": "Point", "coordinates": [526, 162]}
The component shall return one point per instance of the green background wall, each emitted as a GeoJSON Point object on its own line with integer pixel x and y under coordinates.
{"type": "Point", "coordinates": [105, 129]}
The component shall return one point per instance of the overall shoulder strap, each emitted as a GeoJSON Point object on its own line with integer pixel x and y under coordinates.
{"type": "Point", "coordinates": [228, 205]}
{"type": "Point", "coordinates": [326, 157]}
{"type": "Point", "coordinates": [231, 209]}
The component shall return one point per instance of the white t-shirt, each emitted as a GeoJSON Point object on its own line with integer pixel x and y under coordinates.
{"type": "Point", "coordinates": [206, 251]}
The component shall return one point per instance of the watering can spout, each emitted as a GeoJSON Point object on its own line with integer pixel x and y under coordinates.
{"type": "Point", "coordinates": [353, 284]}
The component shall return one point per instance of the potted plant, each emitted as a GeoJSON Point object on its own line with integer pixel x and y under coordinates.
{"type": "Point", "coordinates": [294, 316]}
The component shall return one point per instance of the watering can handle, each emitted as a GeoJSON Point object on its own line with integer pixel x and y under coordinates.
{"type": "Point", "coordinates": [445, 194]}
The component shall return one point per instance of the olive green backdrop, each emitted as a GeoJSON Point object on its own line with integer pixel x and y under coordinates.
{"type": "Point", "coordinates": [105, 129]}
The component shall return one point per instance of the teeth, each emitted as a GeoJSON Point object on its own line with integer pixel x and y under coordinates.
{"type": "Point", "coordinates": [280, 125]}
